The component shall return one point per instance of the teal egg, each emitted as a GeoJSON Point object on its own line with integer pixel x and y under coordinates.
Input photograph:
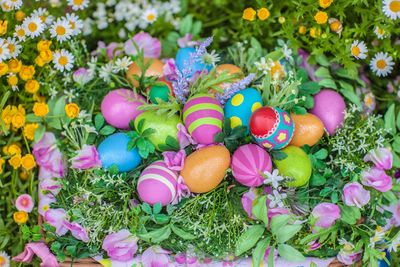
{"type": "Point", "coordinates": [240, 106]}
{"type": "Point", "coordinates": [159, 91]}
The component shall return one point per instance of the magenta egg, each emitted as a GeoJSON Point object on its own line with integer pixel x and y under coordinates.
{"type": "Point", "coordinates": [248, 162]}
{"type": "Point", "coordinates": [120, 106]}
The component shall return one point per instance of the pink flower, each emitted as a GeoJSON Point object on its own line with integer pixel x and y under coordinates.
{"type": "Point", "coordinates": [24, 203]}
{"type": "Point", "coordinates": [186, 41]}
{"type": "Point", "coordinates": [325, 214]}
{"type": "Point", "coordinates": [87, 158]}
{"type": "Point", "coordinates": [151, 46]}
{"type": "Point", "coordinates": [56, 217]}
{"type": "Point", "coordinates": [313, 245]}
{"type": "Point", "coordinates": [77, 230]}
{"type": "Point", "coordinates": [169, 69]}
{"type": "Point", "coordinates": [395, 210]}
{"type": "Point", "coordinates": [182, 191]}
{"type": "Point", "coordinates": [247, 201]}
{"type": "Point", "coordinates": [186, 260]}
{"type": "Point", "coordinates": [44, 202]}
{"type": "Point", "coordinates": [50, 185]}
{"type": "Point", "coordinates": [82, 76]}
{"type": "Point", "coordinates": [120, 246]}
{"type": "Point", "coordinates": [184, 138]}
{"type": "Point", "coordinates": [174, 160]}
{"type": "Point", "coordinates": [377, 179]}
{"type": "Point", "coordinates": [155, 256]}
{"type": "Point", "coordinates": [112, 50]}
{"type": "Point", "coordinates": [381, 157]}
{"type": "Point", "coordinates": [39, 249]}
{"type": "Point", "coordinates": [355, 195]}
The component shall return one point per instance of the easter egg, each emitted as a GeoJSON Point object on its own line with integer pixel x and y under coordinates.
{"type": "Point", "coordinates": [205, 168]}
{"type": "Point", "coordinates": [183, 57]}
{"type": "Point", "coordinates": [157, 184]}
{"type": "Point", "coordinates": [203, 117]}
{"type": "Point", "coordinates": [329, 107]}
{"type": "Point", "coordinates": [162, 90]}
{"type": "Point", "coordinates": [308, 129]}
{"type": "Point", "coordinates": [296, 165]}
{"type": "Point", "coordinates": [162, 126]}
{"type": "Point", "coordinates": [230, 68]}
{"type": "Point", "coordinates": [120, 106]}
{"type": "Point", "coordinates": [271, 127]}
{"type": "Point", "coordinates": [155, 69]}
{"type": "Point", "coordinates": [248, 162]}
{"type": "Point", "coordinates": [114, 151]}
{"type": "Point", "coordinates": [241, 105]}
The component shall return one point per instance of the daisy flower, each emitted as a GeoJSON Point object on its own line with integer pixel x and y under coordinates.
{"type": "Point", "coordinates": [14, 47]}
{"type": "Point", "coordinates": [382, 64]}
{"type": "Point", "coordinates": [12, 4]}
{"type": "Point", "coordinates": [262, 65]}
{"type": "Point", "coordinates": [33, 26]}
{"type": "Point", "coordinates": [106, 71]}
{"type": "Point", "coordinates": [4, 51]}
{"type": "Point", "coordinates": [122, 64]}
{"type": "Point", "coordinates": [75, 23]}
{"type": "Point", "coordinates": [359, 49]}
{"type": "Point", "coordinates": [4, 259]}
{"type": "Point", "coordinates": [210, 58]}
{"type": "Point", "coordinates": [20, 33]}
{"type": "Point", "coordinates": [380, 33]}
{"type": "Point", "coordinates": [44, 15]}
{"type": "Point", "coordinates": [335, 25]}
{"type": "Point", "coordinates": [78, 4]}
{"type": "Point", "coordinates": [61, 30]}
{"type": "Point", "coordinates": [391, 9]}
{"type": "Point", "coordinates": [150, 15]}
{"type": "Point", "coordinates": [63, 60]}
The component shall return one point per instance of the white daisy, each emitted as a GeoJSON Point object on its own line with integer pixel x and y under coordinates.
{"type": "Point", "coordinates": [273, 178]}
{"type": "Point", "coordinates": [44, 15]}
{"type": "Point", "coordinates": [78, 4]}
{"type": "Point", "coordinates": [382, 64]}
{"type": "Point", "coordinates": [122, 64]}
{"type": "Point", "coordinates": [391, 8]}
{"type": "Point", "coordinates": [262, 65]}
{"type": "Point", "coordinates": [276, 199]}
{"type": "Point", "coordinates": [20, 33]}
{"type": "Point", "coordinates": [75, 23]}
{"type": "Point", "coordinates": [4, 259]}
{"type": "Point", "coordinates": [380, 33]}
{"type": "Point", "coordinates": [61, 30]}
{"type": "Point", "coordinates": [12, 4]}
{"type": "Point", "coordinates": [33, 26]}
{"type": "Point", "coordinates": [63, 60]}
{"type": "Point", "coordinates": [106, 71]}
{"type": "Point", "coordinates": [4, 51]}
{"type": "Point", "coordinates": [359, 50]}
{"type": "Point", "coordinates": [210, 58]}
{"type": "Point", "coordinates": [150, 15]}
{"type": "Point", "coordinates": [14, 47]}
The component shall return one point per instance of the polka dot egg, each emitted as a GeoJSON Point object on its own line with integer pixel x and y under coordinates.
{"type": "Point", "coordinates": [241, 105]}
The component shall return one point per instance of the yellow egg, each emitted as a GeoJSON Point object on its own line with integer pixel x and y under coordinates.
{"type": "Point", "coordinates": [155, 69]}
{"type": "Point", "coordinates": [205, 168]}
{"type": "Point", "coordinates": [308, 129]}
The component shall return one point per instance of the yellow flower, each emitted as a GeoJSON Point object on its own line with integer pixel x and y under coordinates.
{"type": "Point", "coordinates": [335, 25]}
{"type": "Point", "coordinates": [15, 161]}
{"type": "Point", "coordinates": [263, 13]}
{"type": "Point", "coordinates": [32, 86]}
{"type": "Point", "coordinates": [27, 72]}
{"type": "Point", "coordinates": [314, 32]}
{"type": "Point", "coordinates": [249, 14]}
{"type": "Point", "coordinates": [18, 120]}
{"type": "Point", "coordinates": [46, 55]}
{"type": "Point", "coordinates": [39, 61]}
{"type": "Point", "coordinates": [28, 162]}
{"type": "Point", "coordinates": [3, 68]}
{"type": "Point", "coordinates": [325, 3]}
{"type": "Point", "coordinates": [12, 80]}
{"type": "Point", "coordinates": [14, 65]}
{"type": "Point", "coordinates": [321, 17]}
{"type": "Point", "coordinates": [72, 110]}
{"type": "Point", "coordinates": [20, 217]}
{"type": "Point", "coordinates": [19, 15]}
{"type": "Point", "coordinates": [40, 109]}
{"type": "Point", "coordinates": [7, 114]}
{"type": "Point", "coordinates": [3, 27]}
{"type": "Point", "coordinates": [1, 165]}
{"type": "Point", "coordinates": [302, 29]}
{"type": "Point", "coordinates": [29, 130]}
{"type": "Point", "coordinates": [12, 149]}
{"type": "Point", "coordinates": [24, 175]}
{"type": "Point", "coordinates": [43, 45]}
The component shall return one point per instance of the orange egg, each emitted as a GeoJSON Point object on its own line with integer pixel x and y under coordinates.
{"type": "Point", "coordinates": [155, 69]}
{"type": "Point", "coordinates": [308, 129]}
{"type": "Point", "coordinates": [230, 68]}
{"type": "Point", "coordinates": [205, 168]}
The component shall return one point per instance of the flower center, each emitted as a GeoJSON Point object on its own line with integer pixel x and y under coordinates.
{"type": "Point", "coordinates": [11, 47]}
{"type": "Point", "coordinates": [381, 31]}
{"type": "Point", "coordinates": [32, 26]}
{"type": "Point", "coordinates": [335, 26]}
{"type": "Point", "coordinates": [60, 30]}
{"type": "Point", "coordinates": [1, 50]}
{"type": "Point", "coordinates": [24, 202]}
{"type": "Point", "coordinates": [63, 60]}
{"type": "Point", "coordinates": [381, 64]}
{"type": "Point", "coordinates": [355, 50]}
{"type": "Point", "coordinates": [394, 6]}
{"type": "Point", "coordinates": [2, 260]}
{"type": "Point", "coordinates": [72, 25]}
{"type": "Point", "coordinates": [21, 32]}
{"type": "Point", "coordinates": [78, 2]}
{"type": "Point", "coordinates": [151, 17]}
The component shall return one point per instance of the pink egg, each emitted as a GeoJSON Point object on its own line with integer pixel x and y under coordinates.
{"type": "Point", "coordinates": [157, 184]}
{"type": "Point", "coordinates": [120, 106]}
{"type": "Point", "coordinates": [248, 162]}
{"type": "Point", "coordinates": [329, 107]}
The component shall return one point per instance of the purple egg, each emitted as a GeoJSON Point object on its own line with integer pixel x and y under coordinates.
{"type": "Point", "coordinates": [120, 106]}
{"type": "Point", "coordinates": [329, 107]}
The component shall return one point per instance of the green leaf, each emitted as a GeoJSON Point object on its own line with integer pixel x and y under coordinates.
{"type": "Point", "coordinates": [259, 209]}
{"type": "Point", "coordinates": [317, 179]}
{"type": "Point", "coordinates": [349, 215]}
{"type": "Point", "coordinates": [185, 25]}
{"type": "Point", "coordinates": [154, 234]}
{"type": "Point", "coordinates": [323, 72]}
{"type": "Point", "coordinates": [39, 133]}
{"type": "Point", "coordinates": [398, 121]}
{"type": "Point", "coordinates": [98, 121]}
{"type": "Point", "coordinates": [321, 154]}
{"type": "Point", "coordinates": [286, 232]}
{"type": "Point", "coordinates": [163, 236]}
{"type": "Point", "coordinates": [259, 251]}
{"type": "Point", "coordinates": [390, 123]}
{"type": "Point", "coordinates": [59, 107]}
{"type": "Point", "coordinates": [33, 118]}
{"type": "Point", "coordinates": [279, 221]}
{"type": "Point", "coordinates": [322, 60]}
{"type": "Point", "coordinates": [328, 83]}
{"type": "Point", "coordinates": [351, 96]}
{"type": "Point", "coordinates": [271, 257]}
{"type": "Point", "coordinates": [390, 196]}
{"type": "Point", "coordinates": [146, 208]}
{"type": "Point", "coordinates": [107, 130]}
{"type": "Point", "coordinates": [161, 218]}
{"type": "Point", "coordinates": [182, 234]}
{"type": "Point", "coordinates": [289, 253]}
{"type": "Point", "coordinates": [299, 110]}
{"type": "Point", "coordinates": [249, 238]}
{"type": "Point", "coordinates": [310, 88]}
{"type": "Point", "coordinates": [157, 208]}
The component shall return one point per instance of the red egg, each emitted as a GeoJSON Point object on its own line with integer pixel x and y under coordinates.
{"type": "Point", "coordinates": [262, 121]}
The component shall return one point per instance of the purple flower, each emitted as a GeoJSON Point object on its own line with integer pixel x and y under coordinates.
{"type": "Point", "coordinates": [325, 214]}
{"type": "Point", "coordinates": [395, 210]}
{"type": "Point", "coordinates": [169, 69]}
{"type": "Point", "coordinates": [24, 203]}
{"type": "Point", "coordinates": [347, 253]}
{"type": "Point", "coordinates": [185, 259]}
{"type": "Point", "coordinates": [381, 157]}
{"type": "Point", "coordinates": [56, 217]}
{"type": "Point", "coordinates": [39, 249]}
{"type": "Point", "coordinates": [313, 245]}
{"type": "Point", "coordinates": [247, 201]}
{"type": "Point", "coordinates": [44, 202]}
{"type": "Point", "coordinates": [174, 160]}
{"type": "Point", "coordinates": [50, 185]}
{"type": "Point", "coordinates": [82, 76]}
{"type": "Point", "coordinates": [151, 46]}
{"type": "Point", "coordinates": [87, 158]}
{"type": "Point", "coordinates": [184, 138]}
{"type": "Point", "coordinates": [235, 87]}
{"type": "Point", "coordinates": [77, 230]}
{"type": "Point", "coordinates": [120, 246]}
{"type": "Point", "coordinates": [305, 65]}
{"type": "Point", "coordinates": [355, 195]}
{"type": "Point", "coordinates": [377, 179]}
{"type": "Point", "coordinates": [155, 256]}
{"type": "Point", "coordinates": [112, 50]}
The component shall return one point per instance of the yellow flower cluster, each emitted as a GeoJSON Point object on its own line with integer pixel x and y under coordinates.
{"type": "Point", "coordinates": [45, 54]}
{"type": "Point", "coordinates": [13, 152]}
{"type": "Point", "coordinates": [12, 115]}
{"type": "Point", "coordinates": [250, 14]}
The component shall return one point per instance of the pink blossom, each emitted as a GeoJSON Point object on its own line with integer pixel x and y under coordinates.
{"type": "Point", "coordinates": [377, 179]}
{"type": "Point", "coordinates": [120, 246]}
{"type": "Point", "coordinates": [87, 158]}
{"type": "Point", "coordinates": [50, 185]}
{"type": "Point", "coordinates": [77, 230]}
{"type": "Point", "coordinates": [44, 202]}
{"type": "Point", "coordinates": [174, 160]}
{"type": "Point", "coordinates": [247, 201]}
{"type": "Point", "coordinates": [112, 50]}
{"type": "Point", "coordinates": [56, 217]}
{"type": "Point", "coordinates": [151, 46]}
{"type": "Point", "coordinates": [155, 256]}
{"type": "Point", "coordinates": [182, 191]}
{"type": "Point", "coordinates": [186, 259]}
{"type": "Point", "coordinates": [310, 69]}
{"type": "Point", "coordinates": [325, 214]}
{"type": "Point", "coordinates": [24, 203]}
{"type": "Point", "coordinates": [186, 41]}
{"type": "Point", "coordinates": [355, 195]}
{"type": "Point", "coordinates": [170, 69]}
{"type": "Point", "coordinates": [381, 157]}
{"type": "Point", "coordinates": [395, 210]}
{"type": "Point", "coordinates": [313, 245]}
{"type": "Point", "coordinates": [39, 249]}
{"type": "Point", "coordinates": [184, 138]}
{"type": "Point", "coordinates": [82, 76]}
{"type": "Point", "coordinates": [348, 257]}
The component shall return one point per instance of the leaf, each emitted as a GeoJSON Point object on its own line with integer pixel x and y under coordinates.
{"type": "Point", "coordinates": [390, 196]}
{"type": "Point", "coordinates": [321, 154]}
{"type": "Point", "coordinates": [349, 215]}
{"type": "Point", "coordinates": [161, 218]}
{"type": "Point", "coordinates": [163, 236]}
{"type": "Point", "coordinates": [309, 88]}
{"type": "Point", "coordinates": [107, 130]}
{"type": "Point", "coordinates": [259, 209]}
{"type": "Point", "coordinates": [185, 25]}
{"type": "Point", "coordinates": [183, 234]}
{"type": "Point", "coordinates": [146, 208]}
{"type": "Point", "coordinates": [33, 118]}
{"type": "Point", "coordinates": [286, 232]}
{"type": "Point", "coordinates": [317, 179]}
{"type": "Point", "coordinates": [259, 251]}
{"type": "Point", "coordinates": [328, 83]}
{"type": "Point", "coordinates": [323, 72]}
{"type": "Point", "coordinates": [153, 234]}
{"type": "Point", "coordinates": [157, 208]}
{"type": "Point", "coordinates": [350, 95]}
{"type": "Point", "coordinates": [322, 60]}
{"type": "Point", "coordinates": [249, 238]}
{"type": "Point", "coordinates": [299, 110]}
{"type": "Point", "coordinates": [278, 221]}
{"type": "Point", "coordinates": [271, 257]}
{"type": "Point", "coordinates": [289, 253]}
{"type": "Point", "coordinates": [39, 133]}
{"type": "Point", "coordinates": [59, 107]}
{"type": "Point", "coordinates": [398, 121]}
{"type": "Point", "coordinates": [278, 155]}
{"type": "Point", "coordinates": [98, 121]}
{"type": "Point", "coordinates": [389, 118]}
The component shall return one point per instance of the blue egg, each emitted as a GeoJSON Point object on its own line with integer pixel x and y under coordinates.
{"type": "Point", "coordinates": [183, 56]}
{"type": "Point", "coordinates": [241, 105]}
{"type": "Point", "coordinates": [382, 263]}
{"type": "Point", "coordinates": [114, 151]}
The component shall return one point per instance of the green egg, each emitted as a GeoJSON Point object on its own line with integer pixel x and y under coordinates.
{"type": "Point", "coordinates": [160, 91]}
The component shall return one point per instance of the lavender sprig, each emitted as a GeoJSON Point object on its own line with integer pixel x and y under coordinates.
{"type": "Point", "coordinates": [235, 87]}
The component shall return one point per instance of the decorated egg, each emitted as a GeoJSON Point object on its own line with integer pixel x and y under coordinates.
{"type": "Point", "coordinates": [114, 151]}
{"type": "Point", "coordinates": [230, 68]}
{"type": "Point", "coordinates": [183, 57]}
{"type": "Point", "coordinates": [203, 117]}
{"type": "Point", "coordinates": [155, 69]}
{"type": "Point", "coordinates": [241, 105]}
{"type": "Point", "coordinates": [308, 129]}
{"type": "Point", "coordinates": [205, 168]}
{"type": "Point", "coordinates": [120, 106]}
{"type": "Point", "coordinates": [271, 127]}
{"type": "Point", "coordinates": [162, 89]}
{"type": "Point", "coordinates": [157, 184]}
{"type": "Point", "coordinates": [329, 107]}
{"type": "Point", "coordinates": [248, 162]}
{"type": "Point", "coordinates": [296, 165]}
{"type": "Point", "coordinates": [161, 124]}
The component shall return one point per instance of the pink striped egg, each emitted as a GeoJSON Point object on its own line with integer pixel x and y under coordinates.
{"type": "Point", "coordinates": [248, 162]}
{"type": "Point", "coordinates": [203, 116]}
{"type": "Point", "coordinates": [157, 184]}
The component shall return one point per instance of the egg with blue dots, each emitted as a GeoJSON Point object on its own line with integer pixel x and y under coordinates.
{"type": "Point", "coordinates": [240, 106]}
{"type": "Point", "coordinates": [183, 56]}
{"type": "Point", "coordinates": [114, 151]}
